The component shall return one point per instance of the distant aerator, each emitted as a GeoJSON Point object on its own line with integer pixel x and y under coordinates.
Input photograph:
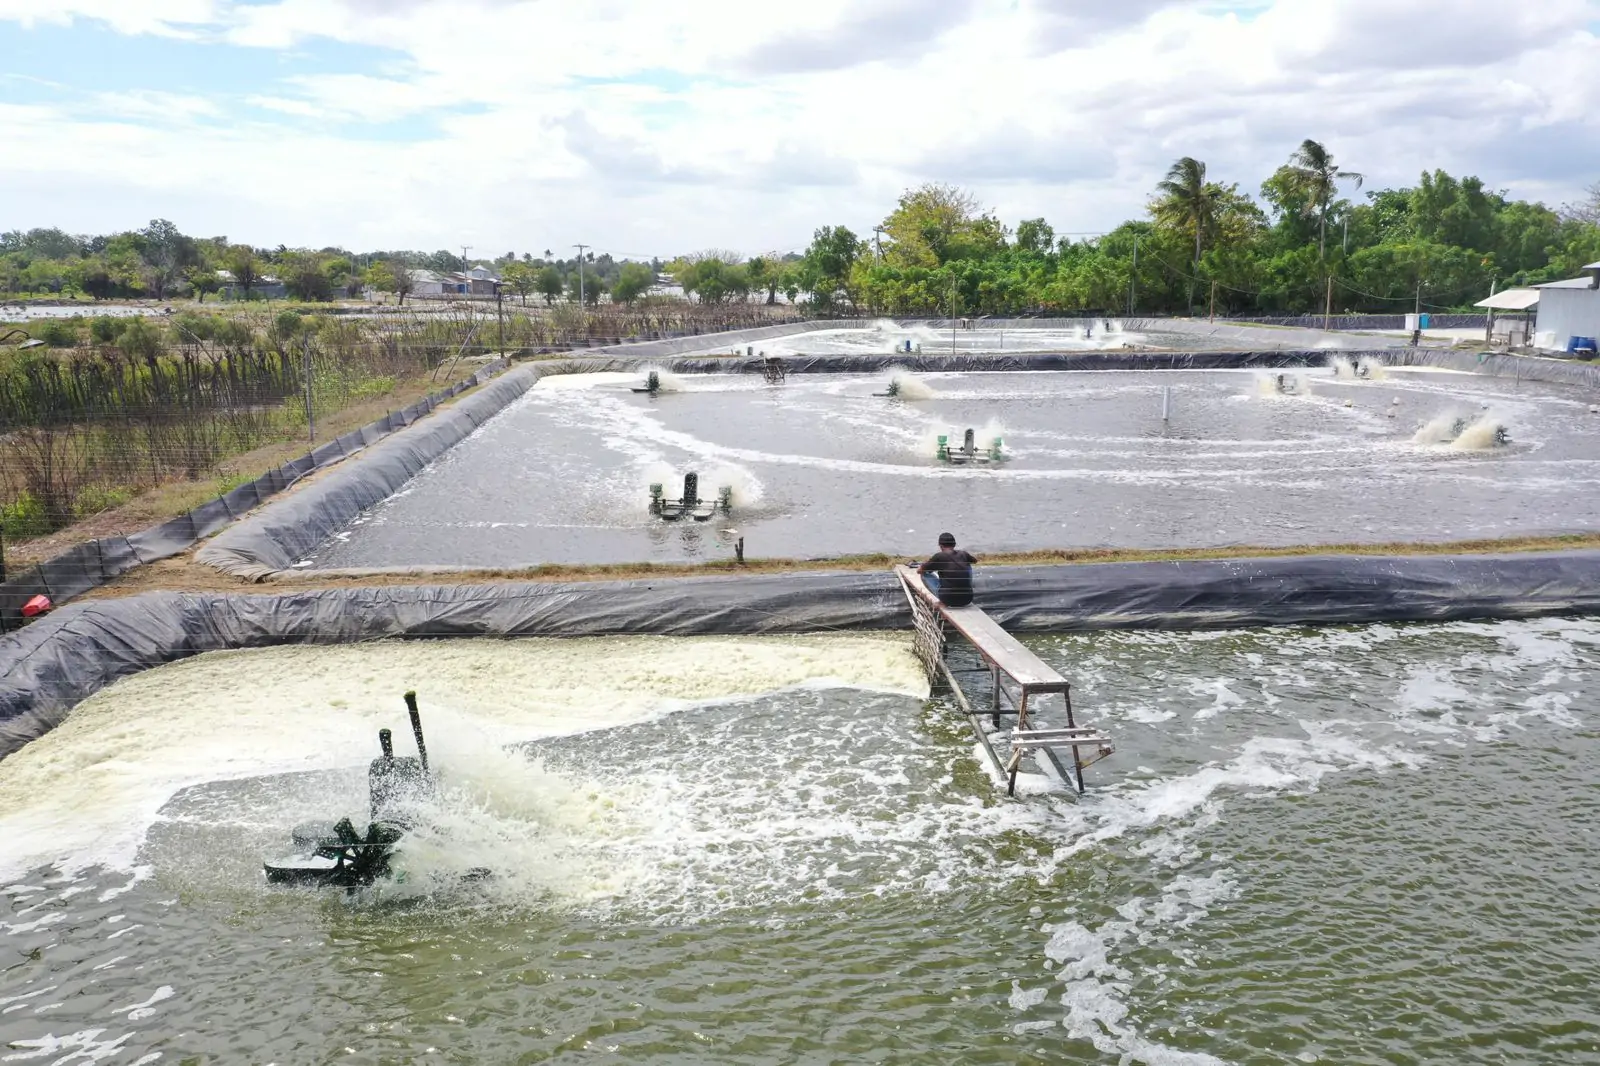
{"type": "Point", "coordinates": [968, 451]}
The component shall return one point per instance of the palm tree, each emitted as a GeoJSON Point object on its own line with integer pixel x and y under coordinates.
{"type": "Point", "coordinates": [1186, 200]}
{"type": "Point", "coordinates": [1314, 167]}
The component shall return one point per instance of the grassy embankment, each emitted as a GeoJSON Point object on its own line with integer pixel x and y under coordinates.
{"type": "Point", "coordinates": [1050, 557]}
{"type": "Point", "coordinates": [183, 575]}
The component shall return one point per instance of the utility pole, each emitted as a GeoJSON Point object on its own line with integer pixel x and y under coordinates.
{"type": "Point", "coordinates": [1213, 301]}
{"type": "Point", "coordinates": [877, 240]}
{"type": "Point", "coordinates": [311, 424]}
{"type": "Point", "coordinates": [1327, 308]}
{"type": "Point", "coordinates": [465, 248]}
{"type": "Point", "coordinates": [500, 315]}
{"type": "Point", "coordinates": [952, 316]}
{"type": "Point", "coordinates": [1133, 278]}
{"type": "Point", "coordinates": [1488, 330]}
{"type": "Point", "coordinates": [581, 301]}
{"type": "Point", "coordinates": [1347, 235]}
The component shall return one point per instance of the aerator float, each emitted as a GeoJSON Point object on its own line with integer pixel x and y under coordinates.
{"type": "Point", "coordinates": [689, 505]}
{"type": "Point", "coordinates": [968, 451]}
{"type": "Point", "coordinates": [652, 383]}
{"type": "Point", "coordinates": [336, 854]}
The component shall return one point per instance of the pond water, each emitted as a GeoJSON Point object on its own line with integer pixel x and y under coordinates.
{"type": "Point", "coordinates": [827, 465]}
{"type": "Point", "coordinates": [1353, 845]}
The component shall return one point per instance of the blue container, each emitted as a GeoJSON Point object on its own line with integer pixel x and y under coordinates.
{"type": "Point", "coordinates": [1422, 322]}
{"type": "Point", "coordinates": [1580, 344]}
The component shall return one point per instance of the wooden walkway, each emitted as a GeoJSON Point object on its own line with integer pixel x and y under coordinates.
{"type": "Point", "coordinates": [1021, 685]}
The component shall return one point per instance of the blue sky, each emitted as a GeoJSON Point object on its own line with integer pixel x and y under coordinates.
{"type": "Point", "coordinates": [655, 129]}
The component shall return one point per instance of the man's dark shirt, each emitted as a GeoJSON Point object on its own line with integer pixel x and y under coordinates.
{"type": "Point", "coordinates": [954, 568]}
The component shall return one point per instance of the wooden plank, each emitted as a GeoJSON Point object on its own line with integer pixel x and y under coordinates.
{"type": "Point", "coordinates": [992, 642]}
{"type": "Point", "coordinates": [1047, 733]}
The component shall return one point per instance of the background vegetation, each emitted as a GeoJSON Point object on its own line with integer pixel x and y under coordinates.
{"type": "Point", "coordinates": [109, 407]}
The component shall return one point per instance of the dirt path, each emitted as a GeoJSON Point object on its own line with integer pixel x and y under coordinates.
{"type": "Point", "coordinates": [182, 574]}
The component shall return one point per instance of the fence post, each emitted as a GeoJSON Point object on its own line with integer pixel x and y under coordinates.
{"type": "Point", "coordinates": [311, 425]}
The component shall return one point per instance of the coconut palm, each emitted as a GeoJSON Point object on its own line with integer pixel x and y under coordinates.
{"type": "Point", "coordinates": [1317, 173]}
{"type": "Point", "coordinates": [1186, 201]}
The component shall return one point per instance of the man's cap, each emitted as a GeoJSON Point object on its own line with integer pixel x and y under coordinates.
{"type": "Point", "coordinates": [947, 540]}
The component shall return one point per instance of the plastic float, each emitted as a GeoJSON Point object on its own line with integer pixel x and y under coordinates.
{"type": "Point", "coordinates": [968, 451]}
{"type": "Point", "coordinates": [689, 505]}
{"type": "Point", "coordinates": [336, 854]}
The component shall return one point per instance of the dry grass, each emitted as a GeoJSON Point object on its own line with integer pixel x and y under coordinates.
{"type": "Point", "coordinates": [173, 498]}
{"type": "Point", "coordinates": [882, 561]}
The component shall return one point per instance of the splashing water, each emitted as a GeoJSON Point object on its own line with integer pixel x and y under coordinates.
{"type": "Point", "coordinates": [926, 443]}
{"type": "Point", "coordinates": [1467, 433]}
{"type": "Point", "coordinates": [1441, 429]}
{"type": "Point", "coordinates": [89, 788]}
{"type": "Point", "coordinates": [1283, 383]}
{"type": "Point", "coordinates": [911, 387]}
{"type": "Point", "coordinates": [669, 382]}
{"type": "Point", "coordinates": [1485, 432]}
{"type": "Point", "coordinates": [747, 488]}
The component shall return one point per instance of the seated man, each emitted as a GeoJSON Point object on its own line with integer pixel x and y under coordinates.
{"type": "Point", "coordinates": [948, 573]}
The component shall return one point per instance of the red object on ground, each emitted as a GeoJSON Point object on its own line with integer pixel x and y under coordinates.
{"type": "Point", "coordinates": [37, 605]}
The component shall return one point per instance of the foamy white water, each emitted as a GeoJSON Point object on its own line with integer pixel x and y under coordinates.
{"type": "Point", "coordinates": [86, 792]}
{"type": "Point", "coordinates": [1286, 853]}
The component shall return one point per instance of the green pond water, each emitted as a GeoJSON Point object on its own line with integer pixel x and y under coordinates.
{"type": "Point", "coordinates": [1369, 844]}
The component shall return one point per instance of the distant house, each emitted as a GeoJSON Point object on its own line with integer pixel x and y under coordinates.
{"type": "Point", "coordinates": [265, 287]}
{"type": "Point", "coordinates": [479, 281]}
{"type": "Point", "coordinates": [426, 283]}
{"type": "Point", "coordinates": [666, 285]}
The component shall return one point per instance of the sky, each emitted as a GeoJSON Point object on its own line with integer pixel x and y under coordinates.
{"type": "Point", "coordinates": [652, 129]}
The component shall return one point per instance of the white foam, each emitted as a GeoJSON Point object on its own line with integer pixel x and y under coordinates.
{"type": "Point", "coordinates": [86, 792]}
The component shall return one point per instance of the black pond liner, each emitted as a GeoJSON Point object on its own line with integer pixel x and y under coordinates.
{"type": "Point", "coordinates": [48, 667]}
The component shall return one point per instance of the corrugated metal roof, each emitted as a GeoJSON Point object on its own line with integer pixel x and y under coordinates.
{"type": "Point", "coordinates": [1571, 283]}
{"type": "Point", "coordinates": [1511, 300]}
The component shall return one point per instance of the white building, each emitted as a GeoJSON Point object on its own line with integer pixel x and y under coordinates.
{"type": "Point", "coordinates": [426, 283]}
{"type": "Point", "coordinates": [1569, 309]}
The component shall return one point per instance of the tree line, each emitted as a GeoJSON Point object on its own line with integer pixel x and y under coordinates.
{"type": "Point", "coordinates": [1305, 243]}
{"type": "Point", "coordinates": [1310, 239]}
{"type": "Point", "coordinates": [161, 262]}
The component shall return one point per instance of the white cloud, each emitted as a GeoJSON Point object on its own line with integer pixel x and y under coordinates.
{"type": "Point", "coordinates": [175, 18]}
{"type": "Point", "coordinates": [654, 128]}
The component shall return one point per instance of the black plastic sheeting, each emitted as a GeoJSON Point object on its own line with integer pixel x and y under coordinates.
{"type": "Point", "coordinates": [90, 565]}
{"type": "Point", "coordinates": [290, 529]}
{"type": "Point", "coordinates": [47, 668]}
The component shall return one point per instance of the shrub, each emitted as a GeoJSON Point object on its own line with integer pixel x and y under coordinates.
{"type": "Point", "coordinates": [57, 332]}
{"type": "Point", "coordinates": [107, 328]}
{"type": "Point", "coordinates": [24, 517]}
